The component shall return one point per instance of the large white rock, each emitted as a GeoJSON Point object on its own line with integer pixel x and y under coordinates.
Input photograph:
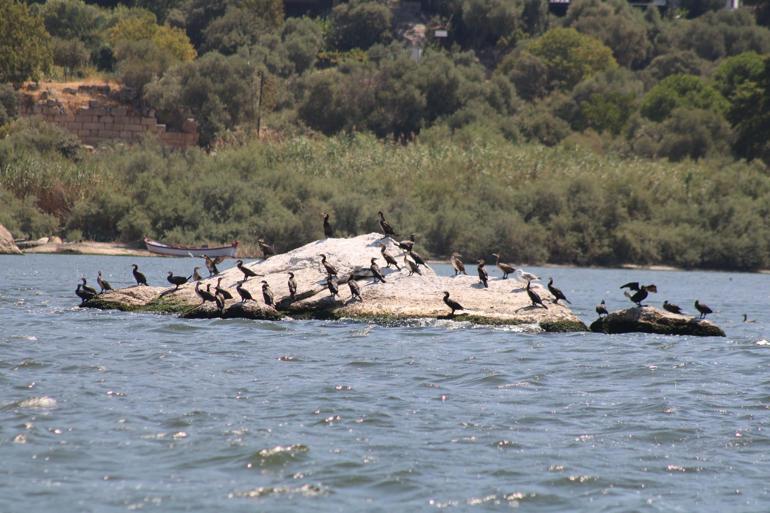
{"type": "Point", "coordinates": [7, 246]}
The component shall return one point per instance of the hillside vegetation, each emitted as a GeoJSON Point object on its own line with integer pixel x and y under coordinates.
{"type": "Point", "coordinates": [608, 135]}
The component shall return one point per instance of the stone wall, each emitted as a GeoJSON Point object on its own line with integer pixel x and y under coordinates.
{"type": "Point", "coordinates": [104, 122]}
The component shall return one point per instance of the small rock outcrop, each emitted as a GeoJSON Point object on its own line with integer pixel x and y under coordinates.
{"type": "Point", "coordinates": [651, 320]}
{"type": "Point", "coordinates": [7, 246]}
{"type": "Point", "coordinates": [402, 297]}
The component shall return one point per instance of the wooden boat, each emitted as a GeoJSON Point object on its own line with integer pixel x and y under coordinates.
{"type": "Point", "coordinates": [186, 251]}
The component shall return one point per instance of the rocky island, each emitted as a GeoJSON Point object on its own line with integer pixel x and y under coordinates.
{"type": "Point", "coordinates": [401, 298]}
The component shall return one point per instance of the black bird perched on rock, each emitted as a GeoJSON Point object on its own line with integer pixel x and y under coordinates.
{"type": "Point", "coordinates": [388, 257]}
{"type": "Point", "coordinates": [601, 309]}
{"type": "Point", "coordinates": [417, 258]}
{"type": "Point", "coordinates": [103, 284]}
{"type": "Point", "coordinates": [641, 291]}
{"type": "Point", "coordinates": [176, 281]}
{"type": "Point", "coordinates": [355, 289]}
{"type": "Point", "coordinates": [86, 288]}
{"type": "Point", "coordinates": [245, 294]}
{"type": "Point", "coordinates": [211, 264]}
{"type": "Point", "coordinates": [451, 303]}
{"type": "Point", "coordinates": [267, 294]}
{"type": "Point", "coordinates": [411, 265]}
{"type": "Point", "coordinates": [483, 275]}
{"type": "Point", "coordinates": [205, 295]}
{"type": "Point", "coordinates": [408, 244]}
{"type": "Point", "coordinates": [506, 268]}
{"type": "Point", "coordinates": [670, 307]}
{"type": "Point", "coordinates": [328, 230]}
{"type": "Point", "coordinates": [267, 249]}
{"type": "Point", "coordinates": [387, 229]}
{"type": "Point", "coordinates": [330, 269]}
{"type": "Point", "coordinates": [557, 293]}
{"type": "Point", "coordinates": [138, 276]}
{"type": "Point", "coordinates": [82, 294]}
{"type": "Point", "coordinates": [457, 264]}
{"type": "Point", "coordinates": [247, 273]}
{"type": "Point", "coordinates": [703, 309]}
{"type": "Point", "coordinates": [222, 292]}
{"type": "Point", "coordinates": [195, 276]}
{"type": "Point", "coordinates": [534, 296]}
{"type": "Point", "coordinates": [292, 286]}
{"type": "Point", "coordinates": [376, 271]}
{"type": "Point", "coordinates": [331, 283]}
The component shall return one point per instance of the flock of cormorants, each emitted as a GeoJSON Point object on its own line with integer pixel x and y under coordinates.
{"type": "Point", "coordinates": [412, 262]}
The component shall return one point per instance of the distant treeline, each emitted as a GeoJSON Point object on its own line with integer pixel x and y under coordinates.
{"type": "Point", "coordinates": [472, 192]}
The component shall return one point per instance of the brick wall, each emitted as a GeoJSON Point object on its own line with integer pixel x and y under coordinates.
{"type": "Point", "coordinates": [102, 122]}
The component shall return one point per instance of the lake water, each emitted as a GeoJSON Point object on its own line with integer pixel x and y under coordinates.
{"type": "Point", "coordinates": [110, 411]}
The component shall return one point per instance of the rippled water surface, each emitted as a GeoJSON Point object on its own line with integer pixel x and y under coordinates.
{"type": "Point", "coordinates": [111, 411]}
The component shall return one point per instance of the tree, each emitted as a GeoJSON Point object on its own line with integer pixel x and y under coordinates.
{"type": "Point", "coordinates": [74, 19]}
{"type": "Point", "coordinates": [750, 113]}
{"type": "Point", "coordinates": [71, 54]}
{"type": "Point", "coordinates": [735, 73]}
{"type": "Point", "coordinates": [303, 39]}
{"type": "Point", "coordinates": [605, 101]}
{"type": "Point", "coordinates": [527, 72]}
{"type": "Point", "coordinates": [360, 24]}
{"type": "Point", "coordinates": [25, 46]}
{"type": "Point", "coordinates": [570, 56]}
{"type": "Point", "coordinates": [140, 25]}
{"type": "Point", "coordinates": [681, 91]}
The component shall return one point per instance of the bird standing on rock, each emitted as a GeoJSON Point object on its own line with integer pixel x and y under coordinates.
{"type": "Point", "coordinates": [82, 294]}
{"type": "Point", "coordinates": [534, 296]}
{"type": "Point", "coordinates": [328, 230]}
{"type": "Point", "coordinates": [670, 307]}
{"type": "Point", "coordinates": [376, 271]}
{"type": "Point", "coordinates": [387, 229]}
{"type": "Point", "coordinates": [483, 275]}
{"type": "Point", "coordinates": [222, 292]}
{"type": "Point", "coordinates": [211, 264]}
{"type": "Point", "coordinates": [703, 309]}
{"type": "Point", "coordinates": [388, 257]}
{"type": "Point", "coordinates": [86, 288]}
{"type": "Point", "coordinates": [557, 293]}
{"type": "Point", "coordinates": [601, 309]}
{"type": "Point", "coordinates": [138, 276]}
{"type": "Point", "coordinates": [411, 266]}
{"type": "Point", "coordinates": [176, 281]}
{"type": "Point", "coordinates": [247, 273]}
{"type": "Point", "coordinates": [245, 294]}
{"type": "Point", "coordinates": [407, 244]}
{"type": "Point", "coordinates": [103, 284]}
{"type": "Point", "coordinates": [331, 284]}
{"type": "Point", "coordinates": [330, 269]}
{"type": "Point", "coordinates": [417, 258]}
{"type": "Point", "coordinates": [205, 295]}
{"type": "Point", "coordinates": [457, 264]}
{"type": "Point", "coordinates": [292, 286]}
{"type": "Point", "coordinates": [267, 294]}
{"type": "Point", "coordinates": [641, 291]}
{"type": "Point", "coordinates": [267, 249]}
{"type": "Point", "coordinates": [451, 303]}
{"type": "Point", "coordinates": [506, 268]}
{"type": "Point", "coordinates": [195, 276]}
{"type": "Point", "coordinates": [355, 289]}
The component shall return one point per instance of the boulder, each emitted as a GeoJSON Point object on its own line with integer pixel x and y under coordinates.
{"type": "Point", "coordinates": [648, 319]}
{"type": "Point", "coordinates": [7, 246]}
{"type": "Point", "coordinates": [402, 297]}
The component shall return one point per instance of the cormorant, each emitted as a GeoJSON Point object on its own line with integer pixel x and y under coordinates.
{"type": "Point", "coordinates": [407, 244]}
{"type": "Point", "coordinates": [417, 258]}
{"type": "Point", "coordinates": [601, 308]}
{"type": "Point", "coordinates": [176, 280]}
{"type": "Point", "coordinates": [387, 229]}
{"type": "Point", "coordinates": [483, 275]}
{"type": "Point", "coordinates": [86, 288]}
{"type": "Point", "coordinates": [205, 295]}
{"type": "Point", "coordinates": [219, 300]}
{"type": "Point", "coordinates": [330, 269]}
{"type": "Point", "coordinates": [534, 296]}
{"type": "Point", "coordinates": [222, 292]}
{"type": "Point", "coordinates": [332, 285]}
{"type": "Point", "coordinates": [103, 284]}
{"type": "Point", "coordinates": [196, 276]}
{"type": "Point", "coordinates": [211, 264]}
{"type": "Point", "coordinates": [557, 293]}
{"type": "Point", "coordinates": [506, 268]}
{"type": "Point", "coordinates": [138, 276]}
{"type": "Point", "coordinates": [267, 249]}
{"type": "Point", "coordinates": [451, 303]}
{"type": "Point", "coordinates": [267, 294]}
{"type": "Point", "coordinates": [413, 267]}
{"type": "Point", "coordinates": [388, 257]}
{"type": "Point", "coordinates": [457, 264]}
{"type": "Point", "coordinates": [355, 290]}
{"type": "Point", "coordinates": [641, 291]}
{"type": "Point", "coordinates": [328, 230]}
{"type": "Point", "coordinates": [245, 294]}
{"type": "Point", "coordinates": [376, 271]}
{"type": "Point", "coordinates": [292, 286]}
{"type": "Point", "coordinates": [703, 309]}
{"type": "Point", "coordinates": [247, 273]}
{"type": "Point", "coordinates": [670, 307]}
{"type": "Point", "coordinates": [82, 294]}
